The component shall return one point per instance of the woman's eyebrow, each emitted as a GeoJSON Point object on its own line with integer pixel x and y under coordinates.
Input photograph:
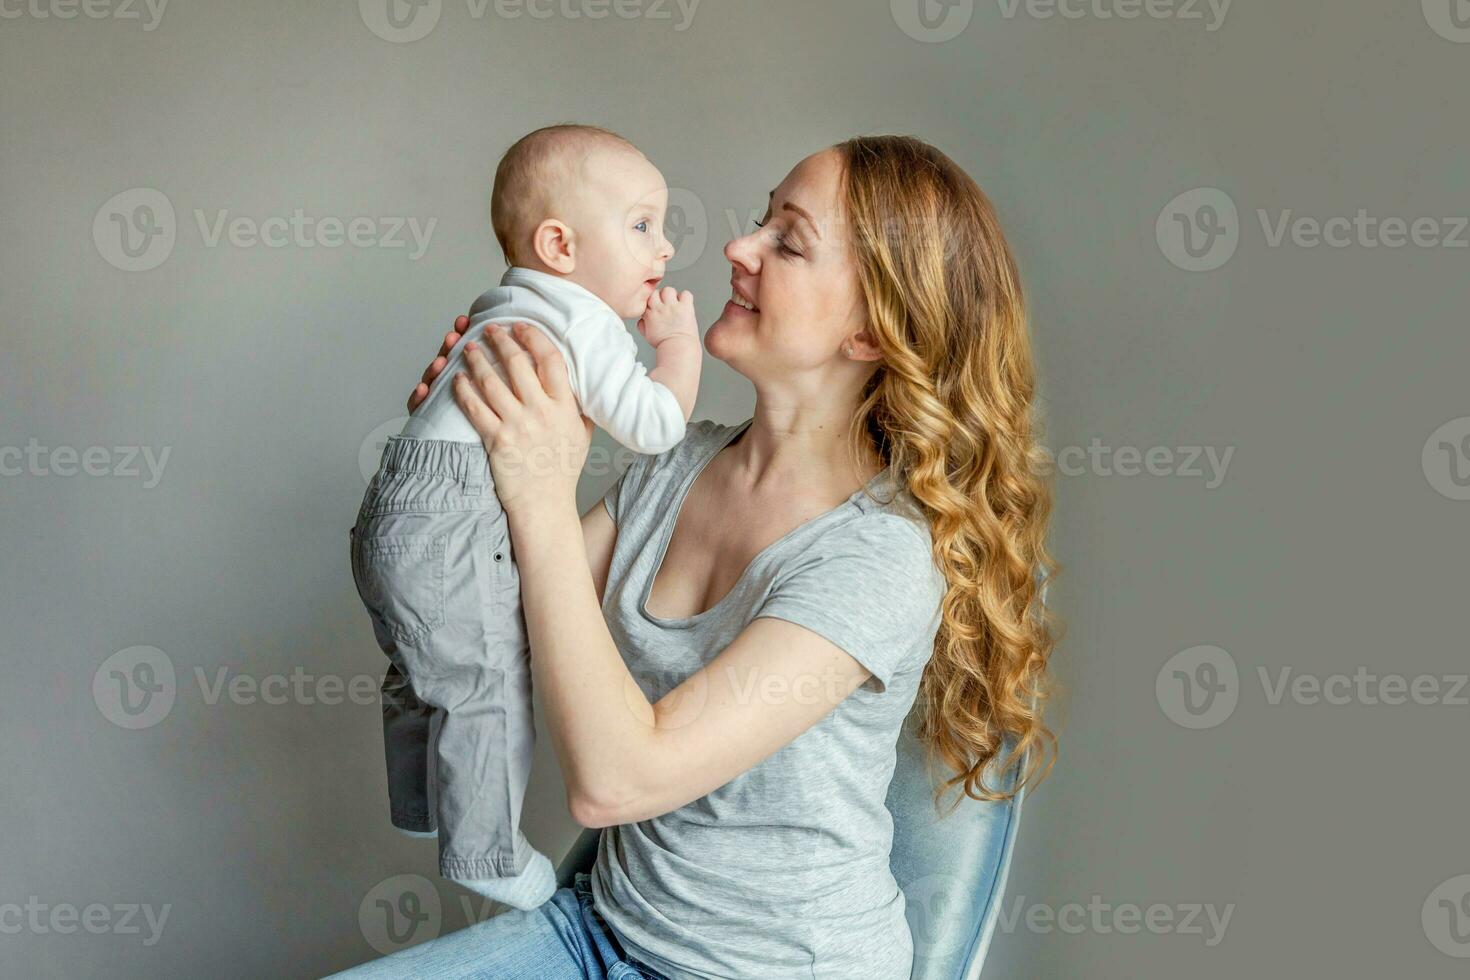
{"type": "Point", "coordinates": [788, 206]}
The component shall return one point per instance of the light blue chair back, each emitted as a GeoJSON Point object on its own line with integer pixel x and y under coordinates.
{"type": "Point", "coordinates": [952, 870]}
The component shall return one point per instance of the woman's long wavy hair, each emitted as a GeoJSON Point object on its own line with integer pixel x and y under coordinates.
{"type": "Point", "coordinates": [950, 406]}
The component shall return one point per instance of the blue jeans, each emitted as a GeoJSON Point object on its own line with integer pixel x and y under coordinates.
{"type": "Point", "coordinates": [563, 939]}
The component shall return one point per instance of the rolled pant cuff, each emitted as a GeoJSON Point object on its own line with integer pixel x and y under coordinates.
{"type": "Point", "coordinates": [419, 824]}
{"type": "Point", "coordinates": [472, 869]}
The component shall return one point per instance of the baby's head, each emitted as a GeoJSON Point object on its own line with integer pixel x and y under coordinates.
{"type": "Point", "coordinates": [582, 203]}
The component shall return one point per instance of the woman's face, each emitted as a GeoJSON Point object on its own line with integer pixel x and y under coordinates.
{"type": "Point", "coordinates": [797, 272]}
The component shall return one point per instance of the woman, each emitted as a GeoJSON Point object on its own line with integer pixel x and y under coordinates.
{"type": "Point", "coordinates": [725, 675]}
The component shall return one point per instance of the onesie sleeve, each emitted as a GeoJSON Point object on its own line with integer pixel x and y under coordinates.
{"type": "Point", "coordinates": [870, 587]}
{"type": "Point", "coordinates": [615, 390]}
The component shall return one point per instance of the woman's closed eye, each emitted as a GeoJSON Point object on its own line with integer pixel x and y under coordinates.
{"type": "Point", "coordinates": [782, 244]}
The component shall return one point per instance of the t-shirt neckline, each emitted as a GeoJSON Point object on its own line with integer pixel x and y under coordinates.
{"type": "Point", "coordinates": [682, 494]}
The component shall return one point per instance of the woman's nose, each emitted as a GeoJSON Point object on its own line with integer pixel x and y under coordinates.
{"type": "Point", "coordinates": [742, 252]}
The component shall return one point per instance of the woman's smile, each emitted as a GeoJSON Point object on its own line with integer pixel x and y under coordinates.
{"type": "Point", "coordinates": [740, 302]}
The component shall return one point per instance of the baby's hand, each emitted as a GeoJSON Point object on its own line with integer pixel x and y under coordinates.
{"type": "Point", "coordinates": [669, 314]}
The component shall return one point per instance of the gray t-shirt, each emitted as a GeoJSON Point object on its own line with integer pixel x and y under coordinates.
{"type": "Point", "coordinates": [783, 871]}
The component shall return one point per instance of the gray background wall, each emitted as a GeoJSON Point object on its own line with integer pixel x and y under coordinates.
{"type": "Point", "coordinates": [1333, 543]}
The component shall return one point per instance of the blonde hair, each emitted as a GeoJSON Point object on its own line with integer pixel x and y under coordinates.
{"type": "Point", "coordinates": [531, 173]}
{"type": "Point", "coordinates": [950, 407]}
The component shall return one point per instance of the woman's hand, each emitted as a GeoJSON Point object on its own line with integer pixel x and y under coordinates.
{"type": "Point", "coordinates": [534, 432]}
{"type": "Point", "coordinates": [437, 364]}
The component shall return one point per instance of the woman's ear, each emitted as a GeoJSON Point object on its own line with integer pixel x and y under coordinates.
{"type": "Point", "coordinates": [552, 243]}
{"type": "Point", "coordinates": [861, 347]}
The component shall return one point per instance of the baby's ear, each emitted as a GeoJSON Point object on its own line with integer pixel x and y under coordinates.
{"type": "Point", "coordinates": [552, 243]}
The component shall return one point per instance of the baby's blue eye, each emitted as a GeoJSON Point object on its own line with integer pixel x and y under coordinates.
{"type": "Point", "coordinates": [642, 226]}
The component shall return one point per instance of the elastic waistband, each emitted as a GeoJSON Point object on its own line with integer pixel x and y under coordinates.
{"type": "Point", "coordinates": [462, 461]}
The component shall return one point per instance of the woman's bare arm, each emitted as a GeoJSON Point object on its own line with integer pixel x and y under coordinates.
{"type": "Point", "coordinates": [624, 759]}
{"type": "Point", "coordinates": [776, 680]}
{"type": "Point", "coordinates": [599, 534]}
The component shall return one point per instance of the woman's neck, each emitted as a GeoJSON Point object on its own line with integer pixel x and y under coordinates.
{"type": "Point", "coordinates": [802, 446]}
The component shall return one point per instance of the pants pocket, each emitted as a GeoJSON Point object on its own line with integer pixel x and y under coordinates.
{"type": "Point", "coordinates": [400, 579]}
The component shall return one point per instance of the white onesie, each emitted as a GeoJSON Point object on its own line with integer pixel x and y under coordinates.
{"type": "Point", "coordinates": [611, 385]}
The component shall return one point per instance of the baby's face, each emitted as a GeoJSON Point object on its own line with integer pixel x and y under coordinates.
{"type": "Point", "coordinates": [618, 226]}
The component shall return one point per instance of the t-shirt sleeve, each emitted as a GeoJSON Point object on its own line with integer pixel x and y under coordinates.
{"type": "Point", "coordinates": [615, 390]}
{"type": "Point", "coordinates": [870, 587]}
{"type": "Point", "coordinates": [625, 488]}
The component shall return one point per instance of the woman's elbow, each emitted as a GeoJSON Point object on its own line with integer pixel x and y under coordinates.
{"type": "Point", "coordinates": [595, 807]}
{"type": "Point", "coordinates": [590, 805]}
{"type": "Point", "coordinates": [589, 812]}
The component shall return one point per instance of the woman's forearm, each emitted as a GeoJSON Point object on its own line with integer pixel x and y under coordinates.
{"type": "Point", "coordinates": [600, 721]}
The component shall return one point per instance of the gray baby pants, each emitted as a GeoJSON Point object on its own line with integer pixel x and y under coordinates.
{"type": "Point", "coordinates": [432, 561]}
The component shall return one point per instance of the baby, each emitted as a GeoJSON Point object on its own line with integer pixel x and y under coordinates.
{"type": "Point", "coordinates": [579, 214]}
